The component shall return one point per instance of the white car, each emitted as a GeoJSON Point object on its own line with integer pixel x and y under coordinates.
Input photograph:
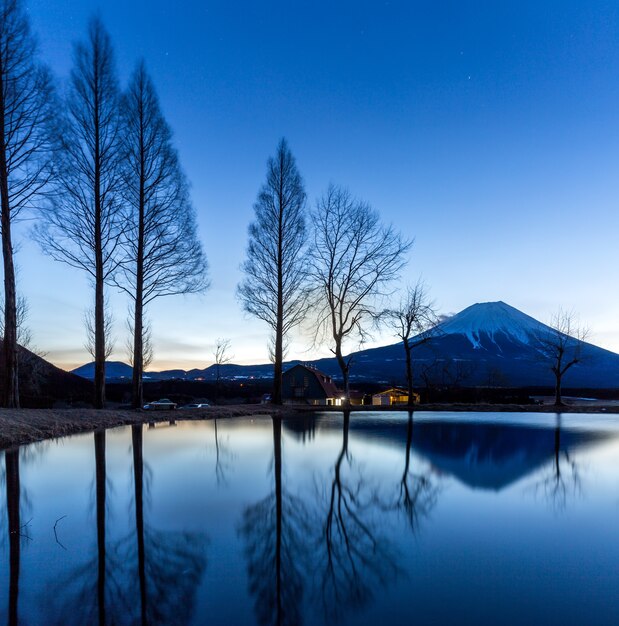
{"type": "Point", "coordinates": [160, 405]}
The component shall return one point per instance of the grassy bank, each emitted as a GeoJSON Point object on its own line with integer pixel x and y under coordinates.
{"type": "Point", "coordinates": [23, 426]}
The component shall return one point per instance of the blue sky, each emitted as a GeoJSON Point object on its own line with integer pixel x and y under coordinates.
{"type": "Point", "coordinates": [488, 131]}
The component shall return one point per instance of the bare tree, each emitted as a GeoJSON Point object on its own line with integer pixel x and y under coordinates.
{"type": "Point", "coordinates": [561, 346]}
{"type": "Point", "coordinates": [162, 254]}
{"type": "Point", "coordinates": [24, 334]}
{"type": "Point", "coordinates": [355, 259]}
{"type": "Point", "coordinates": [91, 335]}
{"type": "Point", "coordinates": [222, 356]}
{"type": "Point", "coordinates": [25, 112]}
{"type": "Point", "coordinates": [83, 223]}
{"type": "Point", "coordinates": [148, 350]}
{"type": "Point", "coordinates": [273, 289]}
{"type": "Point", "coordinates": [414, 322]}
{"type": "Point", "coordinates": [278, 554]}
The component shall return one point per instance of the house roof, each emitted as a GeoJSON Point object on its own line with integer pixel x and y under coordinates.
{"type": "Point", "coordinates": [392, 391]}
{"type": "Point", "coordinates": [324, 380]}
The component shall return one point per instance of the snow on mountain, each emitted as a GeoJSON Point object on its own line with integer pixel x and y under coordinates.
{"type": "Point", "coordinates": [486, 344]}
{"type": "Point", "coordinates": [493, 319]}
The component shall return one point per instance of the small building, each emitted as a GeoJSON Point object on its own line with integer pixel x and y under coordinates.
{"type": "Point", "coordinates": [306, 384]}
{"type": "Point", "coordinates": [392, 397]}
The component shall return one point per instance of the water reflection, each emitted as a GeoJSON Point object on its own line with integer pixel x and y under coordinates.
{"type": "Point", "coordinates": [275, 531]}
{"type": "Point", "coordinates": [418, 492]}
{"type": "Point", "coordinates": [11, 460]}
{"type": "Point", "coordinates": [356, 557]}
{"type": "Point", "coordinates": [562, 478]}
{"type": "Point", "coordinates": [357, 517]}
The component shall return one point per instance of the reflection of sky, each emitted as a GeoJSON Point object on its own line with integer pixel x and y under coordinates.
{"type": "Point", "coordinates": [486, 130]}
{"type": "Point", "coordinates": [480, 550]}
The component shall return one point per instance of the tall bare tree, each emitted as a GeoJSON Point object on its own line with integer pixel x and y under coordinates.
{"type": "Point", "coordinates": [273, 289]}
{"type": "Point", "coordinates": [355, 260]}
{"type": "Point", "coordinates": [91, 335]}
{"type": "Point", "coordinates": [561, 346]}
{"type": "Point", "coordinates": [162, 254]}
{"type": "Point", "coordinates": [25, 112]}
{"type": "Point", "coordinates": [414, 321]}
{"type": "Point", "coordinates": [83, 223]}
{"type": "Point", "coordinates": [148, 349]}
{"type": "Point", "coordinates": [222, 356]}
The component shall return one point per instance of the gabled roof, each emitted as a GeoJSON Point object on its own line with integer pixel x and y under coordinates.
{"type": "Point", "coordinates": [324, 380]}
{"type": "Point", "coordinates": [392, 391]}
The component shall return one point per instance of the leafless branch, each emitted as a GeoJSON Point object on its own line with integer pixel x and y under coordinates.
{"type": "Point", "coordinates": [354, 263]}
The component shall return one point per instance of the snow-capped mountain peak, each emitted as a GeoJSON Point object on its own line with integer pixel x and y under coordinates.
{"type": "Point", "coordinates": [491, 319]}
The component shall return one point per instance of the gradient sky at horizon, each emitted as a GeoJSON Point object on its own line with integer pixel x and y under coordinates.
{"type": "Point", "coordinates": [487, 131]}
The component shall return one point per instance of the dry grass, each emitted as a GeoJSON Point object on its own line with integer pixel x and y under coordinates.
{"type": "Point", "coordinates": [24, 426]}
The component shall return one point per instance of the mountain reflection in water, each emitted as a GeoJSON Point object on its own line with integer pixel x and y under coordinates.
{"type": "Point", "coordinates": [332, 518]}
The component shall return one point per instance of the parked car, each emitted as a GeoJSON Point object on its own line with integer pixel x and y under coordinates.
{"type": "Point", "coordinates": [160, 405]}
{"type": "Point", "coordinates": [201, 405]}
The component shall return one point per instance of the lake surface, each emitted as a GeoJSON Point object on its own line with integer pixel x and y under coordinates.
{"type": "Point", "coordinates": [377, 518]}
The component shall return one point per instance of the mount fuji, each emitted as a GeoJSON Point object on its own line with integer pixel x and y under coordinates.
{"type": "Point", "coordinates": [489, 344]}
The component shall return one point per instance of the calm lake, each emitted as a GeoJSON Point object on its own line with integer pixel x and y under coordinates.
{"type": "Point", "coordinates": [376, 518]}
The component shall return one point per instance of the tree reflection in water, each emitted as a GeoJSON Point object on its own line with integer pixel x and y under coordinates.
{"type": "Point", "coordinates": [355, 558]}
{"type": "Point", "coordinates": [170, 564]}
{"type": "Point", "coordinates": [147, 577]}
{"type": "Point", "coordinates": [417, 492]}
{"type": "Point", "coordinates": [223, 456]}
{"type": "Point", "coordinates": [11, 463]}
{"type": "Point", "coordinates": [562, 480]}
{"type": "Point", "coordinates": [276, 531]}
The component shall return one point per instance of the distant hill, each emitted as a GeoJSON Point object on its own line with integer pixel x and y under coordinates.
{"type": "Point", "coordinates": [113, 370]}
{"type": "Point", "coordinates": [41, 384]}
{"type": "Point", "coordinates": [487, 344]}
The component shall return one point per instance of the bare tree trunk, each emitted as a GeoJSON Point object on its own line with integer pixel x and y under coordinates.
{"type": "Point", "coordinates": [409, 373]}
{"type": "Point", "coordinates": [279, 325]}
{"type": "Point", "coordinates": [99, 400]}
{"type": "Point", "coordinates": [138, 357]}
{"type": "Point", "coordinates": [100, 478]}
{"type": "Point", "coordinates": [11, 384]}
{"type": "Point", "coordinates": [278, 364]}
{"type": "Point", "coordinates": [277, 453]}
{"type": "Point", "coordinates": [138, 322]}
{"type": "Point", "coordinates": [558, 401]}
{"type": "Point", "coordinates": [11, 460]}
{"type": "Point", "coordinates": [345, 368]}
{"type": "Point", "coordinates": [11, 380]}
{"type": "Point", "coordinates": [138, 478]}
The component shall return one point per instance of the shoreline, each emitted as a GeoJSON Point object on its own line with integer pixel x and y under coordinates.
{"type": "Point", "coordinates": [24, 426]}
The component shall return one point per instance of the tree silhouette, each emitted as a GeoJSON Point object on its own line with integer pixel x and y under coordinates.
{"type": "Point", "coordinates": [275, 531]}
{"type": "Point", "coordinates": [354, 261]}
{"type": "Point", "coordinates": [414, 321]}
{"type": "Point", "coordinates": [11, 460]}
{"type": "Point", "coordinates": [170, 565]}
{"type": "Point", "coordinates": [162, 254]}
{"type": "Point", "coordinates": [26, 104]}
{"type": "Point", "coordinates": [354, 556]}
{"type": "Point", "coordinates": [561, 347]}
{"type": "Point", "coordinates": [273, 289]}
{"type": "Point", "coordinates": [146, 577]}
{"type": "Point", "coordinates": [83, 223]}
{"type": "Point", "coordinates": [562, 479]}
{"type": "Point", "coordinates": [417, 494]}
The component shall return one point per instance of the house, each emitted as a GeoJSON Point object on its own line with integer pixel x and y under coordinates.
{"type": "Point", "coordinates": [306, 384]}
{"type": "Point", "coordinates": [392, 396]}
